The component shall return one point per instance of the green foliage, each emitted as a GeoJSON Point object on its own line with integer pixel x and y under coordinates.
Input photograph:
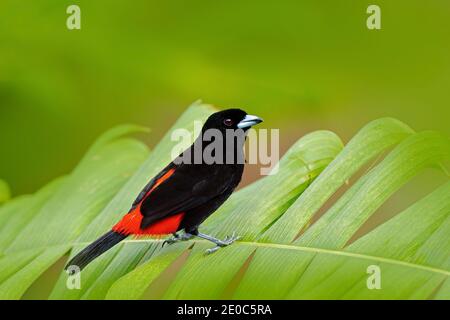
{"type": "Point", "coordinates": [294, 243]}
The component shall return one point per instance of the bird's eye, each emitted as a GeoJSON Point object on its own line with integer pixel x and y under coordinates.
{"type": "Point", "coordinates": [228, 122]}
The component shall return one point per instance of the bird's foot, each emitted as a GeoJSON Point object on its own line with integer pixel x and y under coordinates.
{"type": "Point", "coordinates": [223, 243]}
{"type": "Point", "coordinates": [177, 238]}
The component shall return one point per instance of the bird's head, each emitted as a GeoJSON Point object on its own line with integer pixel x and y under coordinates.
{"type": "Point", "coordinates": [231, 119]}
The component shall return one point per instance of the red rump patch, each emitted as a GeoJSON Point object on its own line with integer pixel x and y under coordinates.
{"type": "Point", "coordinates": [131, 222]}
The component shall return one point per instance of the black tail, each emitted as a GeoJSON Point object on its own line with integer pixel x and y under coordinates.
{"type": "Point", "coordinates": [95, 249]}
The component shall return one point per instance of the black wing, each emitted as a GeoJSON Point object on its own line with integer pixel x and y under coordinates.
{"type": "Point", "coordinates": [150, 185]}
{"type": "Point", "coordinates": [188, 187]}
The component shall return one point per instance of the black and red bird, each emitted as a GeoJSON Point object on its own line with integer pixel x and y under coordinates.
{"type": "Point", "coordinates": [187, 191]}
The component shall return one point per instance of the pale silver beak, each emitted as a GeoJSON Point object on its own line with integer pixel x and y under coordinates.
{"type": "Point", "coordinates": [249, 121]}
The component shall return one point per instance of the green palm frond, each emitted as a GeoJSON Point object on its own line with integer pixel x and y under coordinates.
{"type": "Point", "coordinates": [299, 228]}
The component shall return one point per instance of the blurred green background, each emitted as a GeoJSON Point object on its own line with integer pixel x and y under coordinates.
{"type": "Point", "coordinates": [301, 65]}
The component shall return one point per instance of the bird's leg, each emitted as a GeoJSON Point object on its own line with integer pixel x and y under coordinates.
{"type": "Point", "coordinates": [177, 238]}
{"type": "Point", "coordinates": [219, 243]}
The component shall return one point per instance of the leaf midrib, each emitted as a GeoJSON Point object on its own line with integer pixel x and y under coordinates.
{"type": "Point", "coordinates": [314, 250]}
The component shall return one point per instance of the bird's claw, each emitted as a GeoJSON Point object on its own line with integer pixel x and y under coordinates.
{"type": "Point", "coordinates": [229, 240]}
{"type": "Point", "coordinates": [177, 238]}
{"type": "Point", "coordinates": [170, 241]}
{"type": "Point", "coordinates": [223, 243]}
{"type": "Point", "coordinates": [212, 250]}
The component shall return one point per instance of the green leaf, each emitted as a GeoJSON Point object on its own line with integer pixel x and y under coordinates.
{"type": "Point", "coordinates": [50, 221]}
{"type": "Point", "coordinates": [92, 184]}
{"type": "Point", "coordinates": [369, 142]}
{"type": "Point", "coordinates": [298, 271]}
{"type": "Point", "coordinates": [409, 158]}
{"type": "Point", "coordinates": [5, 193]}
{"type": "Point", "coordinates": [289, 248]}
{"type": "Point", "coordinates": [18, 283]}
{"type": "Point", "coordinates": [311, 272]}
{"type": "Point", "coordinates": [16, 214]}
{"type": "Point", "coordinates": [144, 274]}
{"type": "Point", "coordinates": [411, 250]}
